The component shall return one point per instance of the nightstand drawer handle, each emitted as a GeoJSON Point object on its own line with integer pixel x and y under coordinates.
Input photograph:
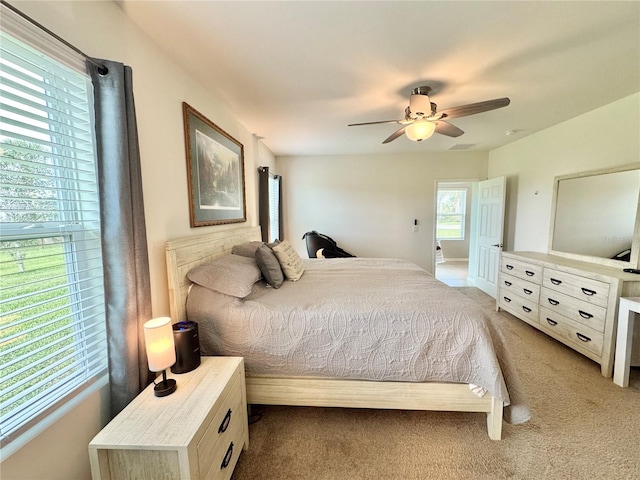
{"type": "Point", "coordinates": [553, 323]}
{"type": "Point", "coordinates": [227, 457]}
{"type": "Point", "coordinates": [507, 299]}
{"type": "Point", "coordinates": [529, 273]}
{"type": "Point", "coordinates": [225, 422]}
{"type": "Point", "coordinates": [508, 284]}
{"type": "Point", "coordinates": [586, 291]}
{"type": "Point", "coordinates": [509, 267]}
{"type": "Point", "coordinates": [527, 291]}
{"type": "Point", "coordinates": [582, 337]}
{"type": "Point", "coordinates": [585, 314]}
{"type": "Point", "coordinates": [555, 281]}
{"type": "Point", "coordinates": [552, 301]}
{"type": "Point", "coordinates": [526, 309]}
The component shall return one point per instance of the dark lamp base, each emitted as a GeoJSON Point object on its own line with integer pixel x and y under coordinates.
{"type": "Point", "coordinates": [165, 387]}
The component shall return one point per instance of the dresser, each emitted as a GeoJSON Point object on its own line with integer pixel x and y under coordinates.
{"type": "Point", "coordinates": [572, 301]}
{"type": "Point", "coordinates": [197, 432]}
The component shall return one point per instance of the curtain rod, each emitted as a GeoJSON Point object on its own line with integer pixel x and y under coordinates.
{"type": "Point", "coordinates": [103, 70]}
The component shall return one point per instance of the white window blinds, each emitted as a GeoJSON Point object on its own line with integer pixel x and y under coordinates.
{"type": "Point", "coordinates": [274, 208]}
{"type": "Point", "coordinates": [52, 313]}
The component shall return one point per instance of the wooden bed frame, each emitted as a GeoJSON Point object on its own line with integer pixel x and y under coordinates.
{"type": "Point", "coordinates": [182, 254]}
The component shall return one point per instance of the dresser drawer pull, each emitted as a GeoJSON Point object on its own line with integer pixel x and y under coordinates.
{"type": "Point", "coordinates": [585, 314]}
{"type": "Point", "coordinates": [586, 291]}
{"type": "Point", "coordinates": [527, 291]}
{"type": "Point", "coordinates": [508, 284]}
{"type": "Point", "coordinates": [225, 422]}
{"type": "Point", "coordinates": [553, 323]}
{"type": "Point", "coordinates": [529, 273]}
{"type": "Point", "coordinates": [227, 457]}
{"type": "Point", "coordinates": [582, 337]}
{"type": "Point", "coordinates": [553, 302]}
{"type": "Point", "coordinates": [526, 309]}
{"type": "Point", "coordinates": [509, 267]}
{"type": "Point", "coordinates": [507, 299]}
{"type": "Point", "coordinates": [555, 281]}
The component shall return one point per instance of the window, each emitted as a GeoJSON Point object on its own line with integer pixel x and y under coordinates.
{"type": "Point", "coordinates": [52, 312]}
{"type": "Point", "coordinates": [451, 211]}
{"type": "Point", "coordinates": [274, 207]}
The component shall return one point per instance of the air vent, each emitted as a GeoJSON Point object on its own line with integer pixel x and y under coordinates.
{"type": "Point", "coordinates": [463, 146]}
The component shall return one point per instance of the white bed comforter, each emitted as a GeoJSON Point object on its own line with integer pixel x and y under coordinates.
{"type": "Point", "coordinates": [361, 318]}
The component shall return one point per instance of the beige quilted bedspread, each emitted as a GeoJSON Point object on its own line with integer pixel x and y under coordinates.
{"type": "Point", "coordinates": [361, 318]}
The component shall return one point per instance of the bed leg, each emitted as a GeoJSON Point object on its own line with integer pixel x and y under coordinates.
{"type": "Point", "coordinates": [494, 420]}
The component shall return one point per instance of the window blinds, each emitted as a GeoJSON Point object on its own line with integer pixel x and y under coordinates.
{"type": "Point", "coordinates": [52, 327]}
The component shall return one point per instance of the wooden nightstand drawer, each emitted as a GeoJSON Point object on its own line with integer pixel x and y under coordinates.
{"type": "Point", "coordinates": [176, 437]}
{"type": "Point", "coordinates": [586, 289]}
{"type": "Point", "coordinates": [224, 429]}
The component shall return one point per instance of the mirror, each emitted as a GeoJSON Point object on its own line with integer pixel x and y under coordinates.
{"type": "Point", "coordinates": [595, 216]}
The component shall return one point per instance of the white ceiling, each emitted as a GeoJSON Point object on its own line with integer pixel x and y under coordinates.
{"type": "Point", "coordinates": [297, 72]}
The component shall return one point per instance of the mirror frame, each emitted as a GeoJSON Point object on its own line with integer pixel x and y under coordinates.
{"type": "Point", "coordinates": [635, 244]}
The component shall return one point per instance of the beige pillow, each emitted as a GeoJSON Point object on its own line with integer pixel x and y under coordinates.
{"type": "Point", "coordinates": [290, 261]}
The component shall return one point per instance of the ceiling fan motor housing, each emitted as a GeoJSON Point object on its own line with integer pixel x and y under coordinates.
{"type": "Point", "coordinates": [419, 104]}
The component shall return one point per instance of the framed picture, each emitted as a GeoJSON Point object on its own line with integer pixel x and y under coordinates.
{"type": "Point", "coordinates": [215, 170]}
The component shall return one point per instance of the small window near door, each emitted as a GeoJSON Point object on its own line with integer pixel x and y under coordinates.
{"type": "Point", "coordinates": [451, 213]}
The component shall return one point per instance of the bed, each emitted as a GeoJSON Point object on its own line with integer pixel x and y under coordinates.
{"type": "Point", "coordinates": [487, 382]}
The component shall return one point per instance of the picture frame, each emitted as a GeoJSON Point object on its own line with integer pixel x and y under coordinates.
{"type": "Point", "coordinates": [215, 172]}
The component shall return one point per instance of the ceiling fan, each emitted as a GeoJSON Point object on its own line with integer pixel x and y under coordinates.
{"type": "Point", "coordinates": [422, 117]}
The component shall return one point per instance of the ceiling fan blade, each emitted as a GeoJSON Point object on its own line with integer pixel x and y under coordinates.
{"type": "Point", "coordinates": [447, 129]}
{"type": "Point", "coordinates": [473, 108]}
{"type": "Point", "coordinates": [374, 123]}
{"type": "Point", "coordinates": [394, 135]}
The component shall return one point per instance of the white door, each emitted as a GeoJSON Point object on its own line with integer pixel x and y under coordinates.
{"type": "Point", "coordinates": [491, 195]}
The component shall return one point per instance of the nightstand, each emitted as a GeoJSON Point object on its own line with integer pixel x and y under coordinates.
{"type": "Point", "coordinates": [195, 433]}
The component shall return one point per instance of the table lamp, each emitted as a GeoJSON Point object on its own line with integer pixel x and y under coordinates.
{"type": "Point", "coordinates": [161, 353]}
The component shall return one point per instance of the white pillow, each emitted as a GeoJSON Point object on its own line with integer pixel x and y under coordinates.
{"type": "Point", "coordinates": [290, 261]}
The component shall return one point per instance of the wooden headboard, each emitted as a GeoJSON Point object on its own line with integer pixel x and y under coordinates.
{"type": "Point", "coordinates": [184, 253]}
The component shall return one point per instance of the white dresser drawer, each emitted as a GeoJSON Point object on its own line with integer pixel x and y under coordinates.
{"type": "Point", "coordinates": [517, 286]}
{"type": "Point", "coordinates": [585, 313]}
{"type": "Point", "coordinates": [519, 306]}
{"type": "Point", "coordinates": [586, 289]}
{"type": "Point", "coordinates": [527, 271]}
{"type": "Point", "coordinates": [576, 335]}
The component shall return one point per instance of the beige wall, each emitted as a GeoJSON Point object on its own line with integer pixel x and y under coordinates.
{"type": "Point", "coordinates": [605, 137]}
{"type": "Point", "coordinates": [367, 203]}
{"type": "Point", "coordinates": [100, 29]}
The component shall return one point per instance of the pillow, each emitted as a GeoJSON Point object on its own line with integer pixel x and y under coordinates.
{"type": "Point", "coordinates": [230, 274]}
{"type": "Point", "coordinates": [269, 266]}
{"type": "Point", "coordinates": [247, 249]}
{"type": "Point", "coordinates": [290, 261]}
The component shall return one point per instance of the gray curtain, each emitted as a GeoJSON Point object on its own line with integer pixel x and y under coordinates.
{"type": "Point", "coordinates": [263, 202]}
{"type": "Point", "coordinates": [124, 239]}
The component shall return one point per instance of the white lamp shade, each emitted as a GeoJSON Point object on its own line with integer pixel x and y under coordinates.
{"type": "Point", "coordinates": [158, 339]}
{"type": "Point", "coordinates": [420, 130]}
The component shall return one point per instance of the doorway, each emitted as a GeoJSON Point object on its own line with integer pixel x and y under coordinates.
{"type": "Point", "coordinates": [453, 229]}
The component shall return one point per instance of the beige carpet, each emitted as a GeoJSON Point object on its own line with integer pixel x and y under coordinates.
{"type": "Point", "coordinates": [583, 426]}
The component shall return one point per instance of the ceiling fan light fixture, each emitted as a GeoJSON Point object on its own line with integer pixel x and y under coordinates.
{"type": "Point", "coordinates": [420, 130]}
